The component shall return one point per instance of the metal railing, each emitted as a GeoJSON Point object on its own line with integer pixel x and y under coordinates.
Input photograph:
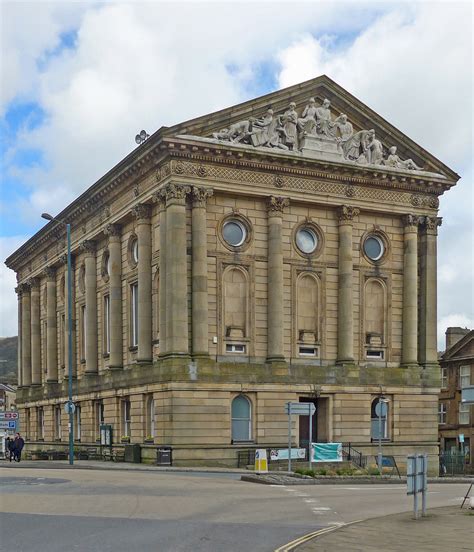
{"type": "Point", "coordinates": [351, 454]}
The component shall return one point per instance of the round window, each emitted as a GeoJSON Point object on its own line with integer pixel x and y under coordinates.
{"type": "Point", "coordinates": [134, 250]}
{"type": "Point", "coordinates": [373, 248]}
{"type": "Point", "coordinates": [234, 233]}
{"type": "Point", "coordinates": [306, 240]}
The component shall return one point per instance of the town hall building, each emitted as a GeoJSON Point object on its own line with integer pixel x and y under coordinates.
{"type": "Point", "coordinates": [283, 249]}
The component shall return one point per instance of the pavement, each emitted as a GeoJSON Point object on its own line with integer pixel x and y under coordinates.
{"type": "Point", "coordinates": [447, 529]}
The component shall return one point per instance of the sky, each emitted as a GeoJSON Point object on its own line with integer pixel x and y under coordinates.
{"type": "Point", "coordinates": [80, 79]}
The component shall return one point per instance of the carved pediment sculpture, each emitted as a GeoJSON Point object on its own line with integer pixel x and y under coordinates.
{"type": "Point", "coordinates": [315, 134]}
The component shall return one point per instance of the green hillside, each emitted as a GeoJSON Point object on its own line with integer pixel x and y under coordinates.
{"type": "Point", "coordinates": [8, 359]}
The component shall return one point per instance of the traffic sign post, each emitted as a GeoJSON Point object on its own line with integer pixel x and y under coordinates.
{"type": "Point", "coordinates": [417, 481]}
{"type": "Point", "coordinates": [300, 409]}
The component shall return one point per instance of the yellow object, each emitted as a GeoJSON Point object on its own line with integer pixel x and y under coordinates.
{"type": "Point", "coordinates": [261, 464]}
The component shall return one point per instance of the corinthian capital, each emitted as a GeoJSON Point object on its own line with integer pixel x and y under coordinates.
{"type": "Point", "coordinates": [432, 223]}
{"type": "Point", "coordinates": [200, 195]}
{"type": "Point", "coordinates": [34, 283]}
{"type": "Point", "coordinates": [176, 192]}
{"type": "Point", "coordinates": [141, 211]}
{"type": "Point", "coordinates": [88, 246]}
{"type": "Point", "coordinates": [50, 272]}
{"type": "Point", "coordinates": [412, 221]}
{"type": "Point", "coordinates": [275, 205]}
{"type": "Point", "coordinates": [112, 230]}
{"type": "Point", "coordinates": [346, 213]}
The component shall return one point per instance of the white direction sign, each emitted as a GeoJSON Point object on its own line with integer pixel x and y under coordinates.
{"type": "Point", "coordinates": [300, 409]}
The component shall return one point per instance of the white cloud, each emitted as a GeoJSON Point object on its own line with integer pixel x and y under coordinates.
{"type": "Point", "coordinates": [8, 304]}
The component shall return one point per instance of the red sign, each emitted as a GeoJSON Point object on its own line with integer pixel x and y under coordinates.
{"type": "Point", "coordinates": [11, 415]}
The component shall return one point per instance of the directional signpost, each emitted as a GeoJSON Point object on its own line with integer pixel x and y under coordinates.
{"type": "Point", "coordinates": [300, 409]}
{"type": "Point", "coordinates": [9, 420]}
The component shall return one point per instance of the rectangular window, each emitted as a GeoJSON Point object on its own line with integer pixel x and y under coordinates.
{"type": "Point", "coordinates": [374, 354]}
{"type": "Point", "coordinates": [83, 333]}
{"type": "Point", "coordinates": [57, 423]}
{"type": "Point", "coordinates": [442, 410]}
{"type": "Point", "coordinates": [27, 423]}
{"type": "Point", "coordinates": [134, 315]}
{"type": "Point", "coordinates": [464, 376]}
{"type": "Point", "coordinates": [40, 413]}
{"type": "Point", "coordinates": [235, 348]}
{"type": "Point", "coordinates": [77, 423]}
{"type": "Point", "coordinates": [107, 324]}
{"type": "Point", "coordinates": [444, 378]}
{"type": "Point", "coordinates": [150, 417]}
{"type": "Point", "coordinates": [125, 405]}
{"type": "Point", "coordinates": [308, 351]}
{"type": "Point", "coordinates": [463, 413]}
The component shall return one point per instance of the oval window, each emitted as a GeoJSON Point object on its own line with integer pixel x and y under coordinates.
{"type": "Point", "coordinates": [306, 240]}
{"type": "Point", "coordinates": [234, 233]}
{"type": "Point", "coordinates": [134, 250]}
{"type": "Point", "coordinates": [373, 248]}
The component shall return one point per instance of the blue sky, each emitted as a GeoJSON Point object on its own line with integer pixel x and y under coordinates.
{"type": "Point", "coordinates": [81, 78]}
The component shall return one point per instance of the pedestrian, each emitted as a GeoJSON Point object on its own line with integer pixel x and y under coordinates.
{"type": "Point", "coordinates": [19, 444]}
{"type": "Point", "coordinates": [10, 448]}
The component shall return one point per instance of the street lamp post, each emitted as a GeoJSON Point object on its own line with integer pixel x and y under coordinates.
{"type": "Point", "coordinates": [70, 407]}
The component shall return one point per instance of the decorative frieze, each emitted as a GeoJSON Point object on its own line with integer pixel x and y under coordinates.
{"type": "Point", "coordinates": [346, 213]}
{"type": "Point", "coordinates": [275, 205]}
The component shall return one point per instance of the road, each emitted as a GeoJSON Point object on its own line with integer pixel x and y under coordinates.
{"type": "Point", "coordinates": [97, 511]}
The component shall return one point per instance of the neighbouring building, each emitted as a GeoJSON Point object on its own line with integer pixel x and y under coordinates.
{"type": "Point", "coordinates": [457, 419]}
{"type": "Point", "coordinates": [7, 397]}
{"type": "Point", "coordinates": [283, 249]}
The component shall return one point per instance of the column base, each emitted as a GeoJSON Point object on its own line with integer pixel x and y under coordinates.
{"type": "Point", "coordinates": [115, 368]}
{"type": "Point", "coordinates": [350, 362]}
{"type": "Point", "coordinates": [172, 354]}
{"type": "Point", "coordinates": [409, 365]}
{"type": "Point", "coordinates": [50, 381]}
{"type": "Point", "coordinates": [280, 359]}
{"type": "Point", "coordinates": [144, 361]}
{"type": "Point", "coordinates": [90, 374]}
{"type": "Point", "coordinates": [197, 356]}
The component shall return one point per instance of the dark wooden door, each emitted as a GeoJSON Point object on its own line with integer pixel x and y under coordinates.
{"type": "Point", "coordinates": [304, 424]}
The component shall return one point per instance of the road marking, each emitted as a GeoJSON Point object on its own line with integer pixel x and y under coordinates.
{"type": "Point", "coordinates": [321, 508]}
{"type": "Point", "coordinates": [311, 501]}
{"type": "Point", "coordinates": [293, 544]}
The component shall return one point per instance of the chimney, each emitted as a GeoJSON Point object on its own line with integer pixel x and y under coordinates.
{"type": "Point", "coordinates": [453, 335]}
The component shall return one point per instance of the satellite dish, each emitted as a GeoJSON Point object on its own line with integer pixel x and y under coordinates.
{"type": "Point", "coordinates": [138, 140]}
{"type": "Point", "coordinates": [143, 135]}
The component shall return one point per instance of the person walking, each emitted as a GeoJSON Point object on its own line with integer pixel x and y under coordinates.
{"type": "Point", "coordinates": [10, 448]}
{"type": "Point", "coordinates": [19, 444]}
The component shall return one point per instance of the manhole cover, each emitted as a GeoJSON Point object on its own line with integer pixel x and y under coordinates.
{"type": "Point", "coordinates": [31, 481]}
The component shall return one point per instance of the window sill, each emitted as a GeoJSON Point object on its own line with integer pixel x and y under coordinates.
{"type": "Point", "coordinates": [238, 443]}
{"type": "Point", "coordinates": [133, 348]}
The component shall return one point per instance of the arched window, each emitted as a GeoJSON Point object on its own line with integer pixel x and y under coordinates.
{"type": "Point", "coordinates": [379, 417]}
{"type": "Point", "coordinates": [374, 312]}
{"type": "Point", "coordinates": [235, 303]}
{"type": "Point", "coordinates": [307, 308]}
{"type": "Point", "coordinates": [241, 419]}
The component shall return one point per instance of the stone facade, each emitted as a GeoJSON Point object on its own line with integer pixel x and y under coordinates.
{"type": "Point", "coordinates": [455, 419]}
{"type": "Point", "coordinates": [215, 280]}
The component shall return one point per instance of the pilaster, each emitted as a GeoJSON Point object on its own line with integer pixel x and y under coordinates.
{"type": "Point", "coordinates": [66, 320]}
{"type": "Point", "coordinates": [19, 374]}
{"type": "Point", "coordinates": [345, 324]}
{"type": "Point", "coordinates": [160, 198]}
{"type": "Point", "coordinates": [275, 206]}
{"type": "Point", "coordinates": [25, 335]}
{"type": "Point", "coordinates": [51, 327]}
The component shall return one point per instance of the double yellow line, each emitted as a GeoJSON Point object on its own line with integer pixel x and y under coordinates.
{"type": "Point", "coordinates": [305, 538]}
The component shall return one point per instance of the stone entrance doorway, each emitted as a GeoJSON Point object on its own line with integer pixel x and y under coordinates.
{"type": "Point", "coordinates": [320, 422]}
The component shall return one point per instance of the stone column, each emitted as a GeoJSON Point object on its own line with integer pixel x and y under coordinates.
{"type": "Point", "coordinates": [428, 350]}
{"type": "Point", "coordinates": [35, 332]}
{"type": "Point", "coordinates": [160, 197]}
{"type": "Point", "coordinates": [115, 296]}
{"type": "Point", "coordinates": [25, 335]}
{"type": "Point", "coordinates": [19, 353]}
{"type": "Point", "coordinates": [199, 315]}
{"type": "Point", "coordinates": [51, 327]}
{"type": "Point", "coordinates": [176, 271]}
{"type": "Point", "coordinates": [345, 324]}
{"type": "Point", "coordinates": [275, 279]}
{"type": "Point", "coordinates": [143, 214]}
{"type": "Point", "coordinates": [88, 247]}
{"type": "Point", "coordinates": [66, 322]}
{"type": "Point", "coordinates": [410, 292]}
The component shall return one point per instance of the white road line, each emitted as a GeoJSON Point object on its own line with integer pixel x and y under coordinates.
{"type": "Point", "coordinates": [311, 501]}
{"type": "Point", "coordinates": [322, 508]}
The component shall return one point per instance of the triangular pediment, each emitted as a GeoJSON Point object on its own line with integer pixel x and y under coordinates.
{"type": "Point", "coordinates": [288, 122]}
{"type": "Point", "coordinates": [463, 348]}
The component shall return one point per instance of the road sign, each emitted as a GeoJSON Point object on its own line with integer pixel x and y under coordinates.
{"type": "Point", "coordinates": [9, 416]}
{"type": "Point", "coordinates": [381, 409]}
{"type": "Point", "coordinates": [261, 464]}
{"type": "Point", "coordinates": [8, 424]}
{"type": "Point", "coordinates": [417, 480]}
{"type": "Point", "coordinates": [69, 407]}
{"type": "Point", "coordinates": [300, 409]}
